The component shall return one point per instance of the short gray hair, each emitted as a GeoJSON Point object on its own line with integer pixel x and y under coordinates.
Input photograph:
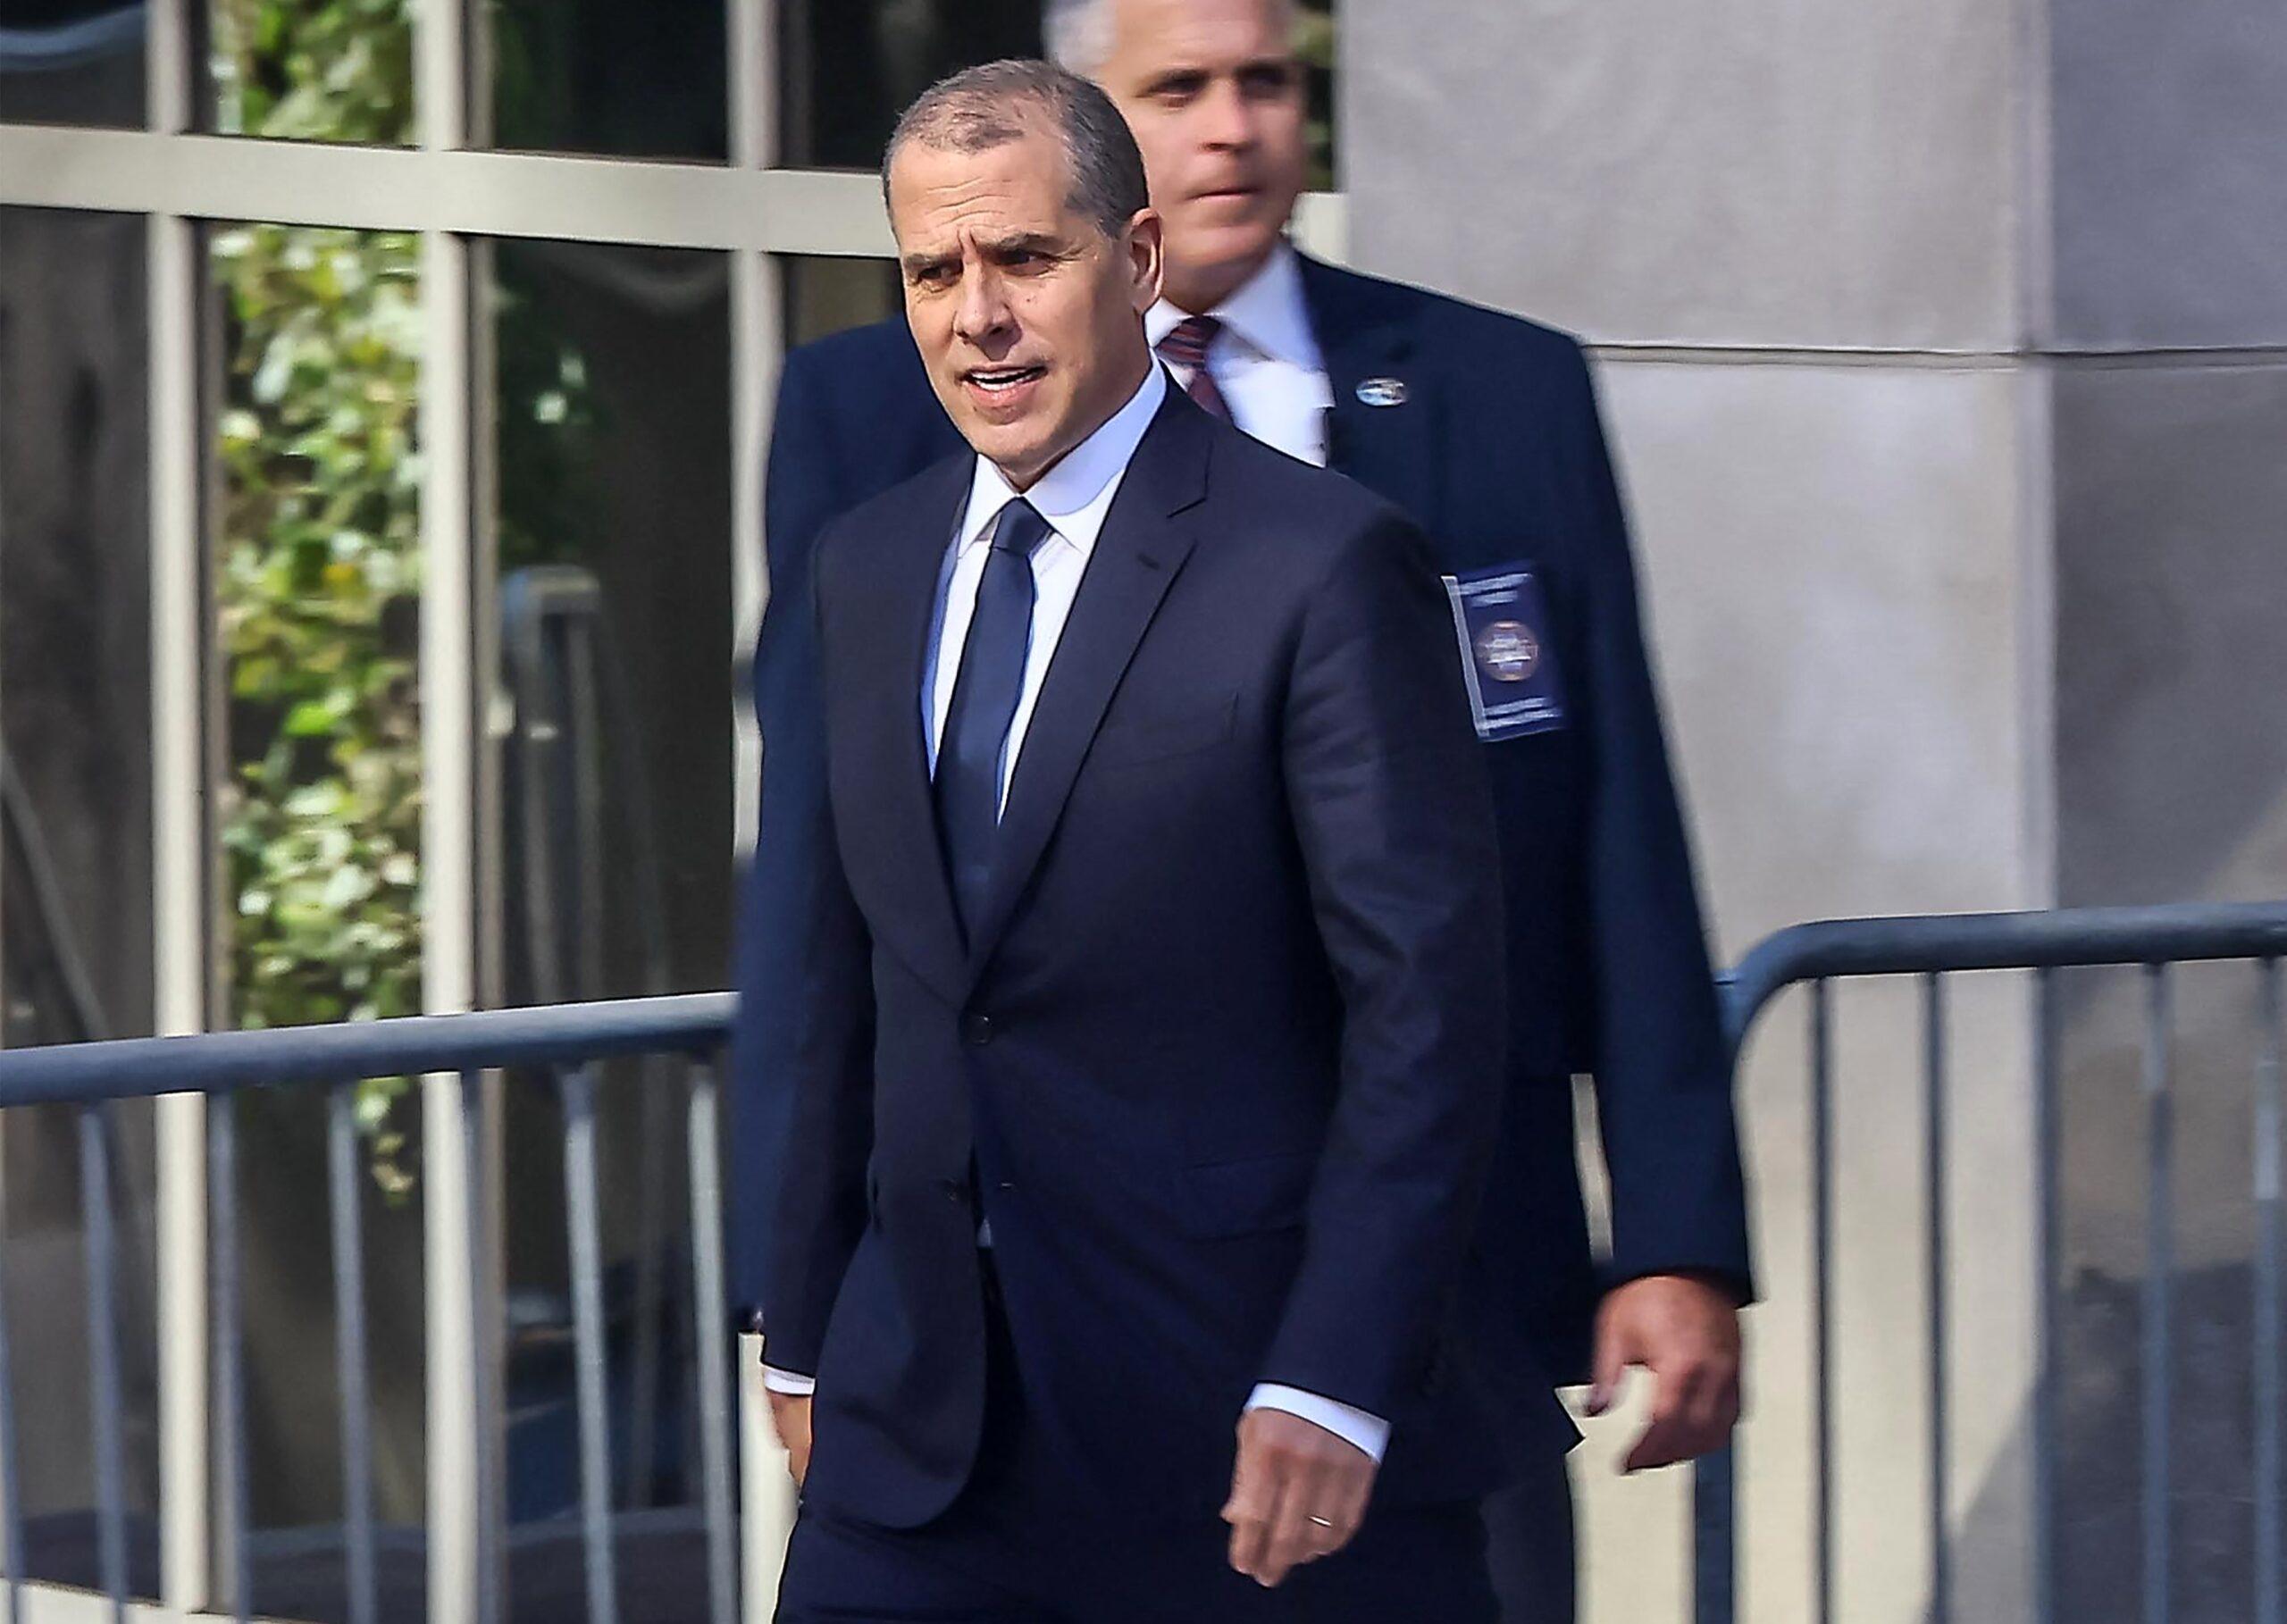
{"type": "Point", "coordinates": [1080, 33]}
{"type": "Point", "coordinates": [980, 108]}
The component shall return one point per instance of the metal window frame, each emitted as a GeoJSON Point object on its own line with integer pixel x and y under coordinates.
{"type": "Point", "coordinates": [453, 197]}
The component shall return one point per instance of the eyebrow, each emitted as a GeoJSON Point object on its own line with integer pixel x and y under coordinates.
{"type": "Point", "coordinates": [1023, 242]}
{"type": "Point", "coordinates": [1192, 73]}
{"type": "Point", "coordinates": [1035, 242]}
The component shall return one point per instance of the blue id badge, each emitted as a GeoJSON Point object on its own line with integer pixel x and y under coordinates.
{"type": "Point", "coordinates": [1506, 659]}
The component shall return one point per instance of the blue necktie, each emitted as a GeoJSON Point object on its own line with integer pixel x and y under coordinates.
{"type": "Point", "coordinates": [985, 691]}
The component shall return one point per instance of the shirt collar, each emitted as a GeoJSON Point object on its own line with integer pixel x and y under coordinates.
{"type": "Point", "coordinates": [1267, 312]}
{"type": "Point", "coordinates": [1075, 495]}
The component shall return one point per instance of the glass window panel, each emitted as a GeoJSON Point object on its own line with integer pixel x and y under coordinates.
{"type": "Point", "coordinates": [848, 69]}
{"type": "Point", "coordinates": [316, 577]}
{"type": "Point", "coordinates": [1318, 39]}
{"type": "Point", "coordinates": [826, 295]}
{"type": "Point", "coordinates": [611, 828]}
{"type": "Point", "coordinates": [75, 836]}
{"type": "Point", "coordinates": [638, 77]}
{"type": "Point", "coordinates": [73, 62]}
{"type": "Point", "coordinates": [312, 70]}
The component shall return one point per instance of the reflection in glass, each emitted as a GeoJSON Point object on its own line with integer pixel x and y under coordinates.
{"type": "Point", "coordinates": [73, 62]}
{"type": "Point", "coordinates": [1315, 41]}
{"type": "Point", "coordinates": [613, 833]}
{"type": "Point", "coordinates": [313, 69]}
{"type": "Point", "coordinates": [850, 66]}
{"type": "Point", "coordinates": [316, 580]}
{"type": "Point", "coordinates": [826, 295]}
{"type": "Point", "coordinates": [75, 837]}
{"type": "Point", "coordinates": [638, 77]}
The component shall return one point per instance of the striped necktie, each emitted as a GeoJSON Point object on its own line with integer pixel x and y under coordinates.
{"type": "Point", "coordinates": [1186, 347]}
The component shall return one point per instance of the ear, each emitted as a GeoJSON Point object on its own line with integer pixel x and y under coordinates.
{"type": "Point", "coordinates": [1145, 243]}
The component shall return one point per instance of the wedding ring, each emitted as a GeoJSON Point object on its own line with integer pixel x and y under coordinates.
{"type": "Point", "coordinates": [1322, 1522]}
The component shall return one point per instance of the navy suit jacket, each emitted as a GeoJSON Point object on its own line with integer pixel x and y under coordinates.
{"type": "Point", "coordinates": [1219, 1060]}
{"type": "Point", "coordinates": [1497, 451]}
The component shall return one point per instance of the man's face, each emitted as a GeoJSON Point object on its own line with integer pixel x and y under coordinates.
{"type": "Point", "coordinates": [1028, 317]}
{"type": "Point", "coordinates": [1215, 96]}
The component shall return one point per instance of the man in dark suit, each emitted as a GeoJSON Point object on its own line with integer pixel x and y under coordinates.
{"type": "Point", "coordinates": [1485, 428]}
{"type": "Point", "coordinates": [1146, 1050]}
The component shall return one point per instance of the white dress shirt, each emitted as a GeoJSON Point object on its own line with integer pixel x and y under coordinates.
{"type": "Point", "coordinates": [1266, 361]}
{"type": "Point", "coordinates": [1074, 496]}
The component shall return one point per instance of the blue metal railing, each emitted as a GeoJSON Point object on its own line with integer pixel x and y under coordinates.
{"type": "Point", "coordinates": [1934, 949]}
{"type": "Point", "coordinates": [568, 1041]}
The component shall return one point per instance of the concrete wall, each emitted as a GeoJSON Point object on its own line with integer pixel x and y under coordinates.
{"type": "Point", "coordinates": [1945, 346]}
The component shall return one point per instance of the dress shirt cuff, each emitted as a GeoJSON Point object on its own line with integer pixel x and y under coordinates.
{"type": "Point", "coordinates": [788, 1383]}
{"type": "Point", "coordinates": [1367, 1433]}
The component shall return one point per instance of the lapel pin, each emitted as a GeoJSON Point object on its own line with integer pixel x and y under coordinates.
{"type": "Point", "coordinates": [1382, 391]}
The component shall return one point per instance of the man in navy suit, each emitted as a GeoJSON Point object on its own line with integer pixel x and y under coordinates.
{"type": "Point", "coordinates": [1146, 1047]}
{"type": "Point", "coordinates": [1485, 428]}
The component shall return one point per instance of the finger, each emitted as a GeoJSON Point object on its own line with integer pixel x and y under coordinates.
{"type": "Point", "coordinates": [1610, 1366]}
{"type": "Point", "coordinates": [1708, 1415]}
{"type": "Point", "coordinates": [1347, 1509]}
{"type": "Point", "coordinates": [1720, 1402]}
{"type": "Point", "coordinates": [1661, 1443]}
{"type": "Point", "coordinates": [1341, 1511]}
{"type": "Point", "coordinates": [1251, 1539]}
{"type": "Point", "coordinates": [1294, 1538]}
{"type": "Point", "coordinates": [1668, 1438]}
{"type": "Point", "coordinates": [1253, 1502]}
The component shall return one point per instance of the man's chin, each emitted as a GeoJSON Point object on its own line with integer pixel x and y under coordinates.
{"type": "Point", "coordinates": [1221, 256]}
{"type": "Point", "coordinates": [1016, 450]}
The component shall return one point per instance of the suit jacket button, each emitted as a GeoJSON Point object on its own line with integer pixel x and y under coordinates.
{"type": "Point", "coordinates": [977, 1029]}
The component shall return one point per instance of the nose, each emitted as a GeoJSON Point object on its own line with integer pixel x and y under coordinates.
{"type": "Point", "coordinates": [983, 314]}
{"type": "Point", "coordinates": [1229, 118]}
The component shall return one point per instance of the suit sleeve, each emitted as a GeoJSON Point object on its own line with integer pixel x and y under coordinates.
{"type": "Point", "coordinates": [804, 490]}
{"type": "Point", "coordinates": [1393, 819]}
{"type": "Point", "coordinates": [1662, 1067]}
{"type": "Point", "coordinates": [815, 1053]}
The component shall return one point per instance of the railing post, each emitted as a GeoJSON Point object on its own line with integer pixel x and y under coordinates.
{"type": "Point", "coordinates": [592, 1375]}
{"type": "Point", "coordinates": [179, 882]}
{"type": "Point", "coordinates": [711, 1344]}
{"type": "Point", "coordinates": [464, 1582]}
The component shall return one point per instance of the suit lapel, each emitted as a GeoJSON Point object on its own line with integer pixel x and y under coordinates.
{"type": "Point", "coordinates": [1142, 549]}
{"type": "Point", "coordinates": [889, 756]}
{"type": "Point", "coordinates": [1390, 448]}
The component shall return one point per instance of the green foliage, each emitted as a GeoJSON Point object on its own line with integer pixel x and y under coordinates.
{"type": "Point", "coordinates": [1317, 35]}
{"type": "Point", "coordinates": [318, 568]}
{"type": "Point", "coordinates": [550, 428]}
{"type": "Point", "coordinates": [314, 70]}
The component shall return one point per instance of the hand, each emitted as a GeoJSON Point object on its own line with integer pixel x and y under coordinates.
{"type": "Point", "coordinates": [1288, 1471]}
{"type": "Point", "coordinates": [1685, 1330]}
{"type": "Point", "coordinates": [790, 1416]}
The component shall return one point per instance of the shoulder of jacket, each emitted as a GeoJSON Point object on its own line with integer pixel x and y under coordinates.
{"type": "Point", "coordinates": [889, 509]}
{"type": "Point", "coordinates": [1291, 498]}
{"type": "Point", "coordinates": [863, 366]}
{"type": "Point", "coordinates": [1451, 325]}
{"type": "Point", "coordinates": [884, 340]}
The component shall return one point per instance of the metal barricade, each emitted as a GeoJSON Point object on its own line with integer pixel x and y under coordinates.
{"type": "Point", "coordinates": [567, 1040]}
{"type": "Point", "coordinates": [570, 1040]}
{"type": "Point", "coordinates": [1934, 949]}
